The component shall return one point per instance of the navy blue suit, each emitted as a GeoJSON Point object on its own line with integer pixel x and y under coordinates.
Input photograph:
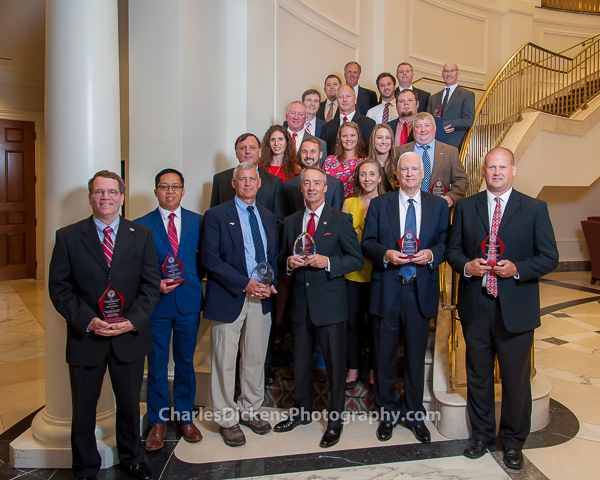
{"type": "Point", "coordinates": [365, 100]}
{"type": "Point", "coordinates": [397, 307]}
{"type": "Point", "coordinates": [334, 196]}
{"type": "Point", "coordinates": [177, 311]}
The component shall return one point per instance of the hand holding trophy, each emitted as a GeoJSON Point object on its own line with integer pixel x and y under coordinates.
{"type": "Point", "coordinates": [305, 245]}
{"type": "Point", "coordinates": [409, 244]}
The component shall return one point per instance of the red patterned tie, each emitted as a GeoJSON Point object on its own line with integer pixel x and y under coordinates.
{"type": "Point", "coordinates": [310, 227]}
{"type": "Point", "coordinates": [307, 128]}
{"type": "Point", "coordinates": [492, 278]}
{"type": "Point", "coordinates": [173, 234]}
{"type": "Point", "coordinates": [295, 135]}
{"type": "Point", "coordinates": [386, 113]}
{"type": "Point", "coordinates": [107, 245]}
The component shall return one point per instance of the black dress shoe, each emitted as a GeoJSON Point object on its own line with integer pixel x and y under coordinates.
{"type": "Point", "coordinates": [475, 449]}
{"type": "Point", "coordinates": [421, 433]}
{"type": "Point", "coordinates": [351, 385]}
{"type": "Point", "coordinates": [513, 458]}
{"type": "Point", "coordinates": [385, 431]}
{"type": "Point", "coordinates": [331, 437]}
{"type": "Point", "coordinates": [289, 424]}
{"type": "Point", "coordinates": [269, 376]}
{"type": "Point", "coordinates": [141, 471]}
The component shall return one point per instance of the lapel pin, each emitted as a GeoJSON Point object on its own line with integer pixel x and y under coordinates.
{"type": "Point", "coordinates": [324, 223]}
{"type": "Point", "coordinates": [231, 223]}
{"type": "Point", "coordinates": [131, 229]}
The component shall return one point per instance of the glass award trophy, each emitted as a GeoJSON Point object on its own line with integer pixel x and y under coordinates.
{"type": "Point", "coordinates": [492, 248]}
{"type": "Point", "coordinates": [438, 188]}
{"type": "Point", "coordinates": [111, 305]}
{"type": "Point", "coordinates": [173, 269]}
{"type": "Point", "coordinates": [409, 244]}
{"type": "Point", "coordinates": [304, 245]}
{"type": "Point", "coordinates": [263, 273]}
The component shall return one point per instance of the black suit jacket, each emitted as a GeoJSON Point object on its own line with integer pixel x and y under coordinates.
{"type": "Point", "coordinates": [334, 196]}
{"type": "Point", "coordinates": [79, 276]}
{"type": "Point", "coordinates": [321, 111]}
{"type": "Point", "coordinates": [316, 294]}
{"type": "Point", "coordinates": [460, 113]}
{"type": "Point", "coordinates": [270, 194]}
{"type": "Point", "coordinates": [394, 125]}
{"type": "Point", "coordinates": [330, 130]}
{"type": "Point", "coordinates": [528, 236]}
{"type": "Point", "coordinates": [365, 100]}
{"type": "Point", "coordinates": [382, 233]}
{"type": "Point", "coordinates": [422, 98]}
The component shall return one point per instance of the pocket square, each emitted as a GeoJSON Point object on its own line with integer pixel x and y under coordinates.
{"type": "Point", "coordinates": [325, 234]}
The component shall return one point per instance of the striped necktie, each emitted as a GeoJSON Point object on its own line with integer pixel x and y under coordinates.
{"type": "Point", "coordinates": [107, 245]}
{"type": "Point", "coordinates": [173, 234]}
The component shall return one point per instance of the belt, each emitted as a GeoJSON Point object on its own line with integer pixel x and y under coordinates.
{"type": "Point", "coordinates": [407, 282]}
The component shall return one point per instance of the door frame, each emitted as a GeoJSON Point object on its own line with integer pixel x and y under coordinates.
{"type": "Point", "coordinates": [40, 203]}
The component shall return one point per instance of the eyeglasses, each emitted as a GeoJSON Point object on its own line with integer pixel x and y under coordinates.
{"type": "Point", "coordinates": [452, 70]}
{"type": "Point", "coordinates": [100, 193]}
{"type": "Point", "coordinates": [165, 188]}
{"type": "Point", "coordinates": [403, 72]}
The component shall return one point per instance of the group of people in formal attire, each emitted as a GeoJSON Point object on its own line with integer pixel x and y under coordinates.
{"type": "Point", "coordinates": [378, 212]}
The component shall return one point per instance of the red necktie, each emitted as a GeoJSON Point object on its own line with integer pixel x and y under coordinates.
{"type": "Point", "coordinates": [173, 234]}
{"type": "Point", "coordinates": [310, 227]}
{"type": "Point", "coordinates": [295, 135]}
{"type": "Point", "coordinates": [330, 112]}
{"type": "Point", "coordinates": [307, 128]}
{"type": "Point", "coordinates": [386, 113]}
{"type": "Point", "coordinates": [492, 278]}
{"type": "Point", "coordinates": [345, 119]}
{"type": "Point", "coordinates": [107, 245]}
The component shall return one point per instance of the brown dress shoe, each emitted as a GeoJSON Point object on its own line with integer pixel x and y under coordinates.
{"type": "Point", "coordinates": [190, 432]}
{"type": "Point", "coordinates": [155, 437]}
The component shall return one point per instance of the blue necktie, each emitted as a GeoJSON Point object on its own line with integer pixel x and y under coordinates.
{"type": "Point", "coordinates": [445, 101]}
{"type": "Point", "coordinates": [426, 170]}
{"type": "Point", "coordinates": [256, 238]}
{"type": "Point", "coordinates": [409, 270]}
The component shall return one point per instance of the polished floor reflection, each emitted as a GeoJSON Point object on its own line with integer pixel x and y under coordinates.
{"type": "Point", "coordinates": [567, 348]}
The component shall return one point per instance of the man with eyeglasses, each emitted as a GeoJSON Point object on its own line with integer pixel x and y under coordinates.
{"type": "Point", "coordinates": [405, 76]}
{"type": "Point", "coordinates": [176, 234]}
{"type": "Point", "coordinates": [89, 257]}
{"type": "Point", "coordinates": [455, 105]}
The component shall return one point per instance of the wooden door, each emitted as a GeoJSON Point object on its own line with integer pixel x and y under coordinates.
{"type": "Point", "coordinates": [17, 200]}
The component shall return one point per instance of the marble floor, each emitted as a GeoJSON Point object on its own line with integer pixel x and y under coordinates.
{"type": "Point", "coordinates": [567, 348]}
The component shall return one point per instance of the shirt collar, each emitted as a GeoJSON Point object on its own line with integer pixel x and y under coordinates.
{"type": "Point", "coordinates": [317, 212]}
{"type": "Point", "coordinates": [504, 197]}
{"type": "Point", "coordinates": [409, 88]}
{"type": "Point", "coordinates": [431, 144]}
{"type": "Point", "coordinates": [242, 206]}
{"type": "Point", "coordinates": [452, 88]}
{"type": "Point", "coordinates": [164, 213]}
{"type": "Point", "coordinates": [404, 197]}
{"type": "Point", "coordinates": [100, 225]}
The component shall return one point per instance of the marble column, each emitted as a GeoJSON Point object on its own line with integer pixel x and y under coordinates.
{"type": "Point", "coordinates": [82, 122]}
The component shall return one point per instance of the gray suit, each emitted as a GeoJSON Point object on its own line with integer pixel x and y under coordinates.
{"type": "Point", "coordinates": [460, 112]}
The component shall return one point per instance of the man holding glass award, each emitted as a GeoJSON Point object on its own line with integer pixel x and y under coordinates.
{"type": "Point", "coordinates": [239, 251]}
{"type": "Point", "coordinates": [104, 280]}
{"type": "Point", "coordinates": [176, 234]}
{"type": "Point", "coordinates": [405, 238]}
{"type": "Point", "coordinates": [319, 246]}
{"type": "Point", "coordinates": [501, 243]}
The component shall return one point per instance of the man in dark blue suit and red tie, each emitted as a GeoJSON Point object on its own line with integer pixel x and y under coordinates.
{"type": "Point", "coordinates": [176, 233]}
{"type": "Point", "coordinates": [404, 291]}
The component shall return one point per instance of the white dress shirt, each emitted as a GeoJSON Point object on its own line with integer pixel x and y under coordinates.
{"type": "Point", "coordinates": [312, 126]}
{"type": "Point", "coordinates": [305, 219]}
{"type": "Point", "coordinates": [349, 117]}
{"type": "Point", "coordinates": [176, 220]}
{"type": "Point", "coordinates": [403, 200]}
{"type": "Point", "coordinates": [299, 138]}
{"type": "Point", "coordinates": [452, 88]}
{"type": "Point", "coordinates": [376, 113]}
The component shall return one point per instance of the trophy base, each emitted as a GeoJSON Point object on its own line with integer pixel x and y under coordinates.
{"type": "Point", "coordinates": [178, 281]}
{"type": "Point", "coordinates": [115, 320]}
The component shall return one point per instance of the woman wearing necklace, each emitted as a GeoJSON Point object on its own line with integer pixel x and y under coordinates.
{"type": "Point", "coordinates": [381, 148]}
{"type": "Point", "coordinates": [368, 184]}
{"type": "Point", "coordinates": [278, 155]}
{"type": "Point", "coordinates": [349, 152]}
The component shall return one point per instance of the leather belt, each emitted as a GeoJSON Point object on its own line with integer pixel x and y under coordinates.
{"type": "Point", "coordinates": [407, 282]}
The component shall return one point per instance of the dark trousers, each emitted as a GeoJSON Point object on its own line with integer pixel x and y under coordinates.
{"type": "Point", "coordinates": [332, 339]}
{"type": "Point", "coordinates": [86, 385]}
{"type": "Point", "coordinates": [486, 338]}
{"type": "Point", "coordinates": [185, 336]}
{"type": "Point", "coordinates": [405, 317]}
{"type": "Point", "coordinates": [357, 294]}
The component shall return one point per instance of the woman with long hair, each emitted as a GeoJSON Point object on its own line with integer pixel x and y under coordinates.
{"type": "Point", "coordinates": [349, 152]}
{"type": "Point", "coordinates": [368, 184]}
{"type": "Point", "coordinates": [278, 155]}
{"type": "Point", "coordinates": [381, 148]}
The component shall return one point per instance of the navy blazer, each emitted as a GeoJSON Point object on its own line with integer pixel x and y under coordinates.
{"type": "Point", "coordinates": [222, 256]}
{"type": "Point", "coordinates": [365, 100]}
{"type": "Point", "coordinates": [334, 196]}
{"type": "Point", "coordinates": [422, 98]}
{"type": "Point", "coordinates": [382, 233]}
{"type": "Point", "coordinates": [187, 297]}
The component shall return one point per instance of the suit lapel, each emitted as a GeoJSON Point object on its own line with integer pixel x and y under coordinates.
{"type": "Point", "coordinates": [457, 93]}
{"type": "Point", "coordinates": [184, 227]}
{"type": "Point", "coordinates": [438, 159]}
{"type": "Point", "coordinates": [482, 210]}
{"type": "Point", "coordinates": [426, 215]}
{"type": "Point", "coordinates": [124, 239]}
{"type": "Point", "coordinates": [159, 226]}
{"type": "Point", "coordinates": [89, 237]}
{"type": "Point", "coordinates": [298, 223]}
{"type": "Point", "coordinates": [235, 230]}
{"type": "Point", "coordinates": [513, 204]}
{"type": "Point", "coordinates": [393, 210]}
{"type": "Point", "coordinates": [323, 223]}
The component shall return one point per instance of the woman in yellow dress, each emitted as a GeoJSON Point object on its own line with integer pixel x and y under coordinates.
{"type": "Point", "coordinates": [368, 179]}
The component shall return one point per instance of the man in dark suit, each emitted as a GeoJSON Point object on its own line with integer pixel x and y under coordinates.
{"type": "Point", "coordinates": [404, 291]}
{"type": "Point", "coordinates": [311, 99]}
{"type": "Point", "coordinates": [440, 163]}
{"type": "Point", "coordinates": [348, 113]}
{"type": "Point", "coordinates": [270, 195]}
{"type": "Point", "coordinates": [239, 236]}
{"type": "Point", "coordinates": [310, 156]}
{"type": "Point", "coordinates": [499, 306]}
{"type": "Point", "coordinates": [328, 108]}
{"type": "Point", "coordinates": [405, 76]}
{"type": "Point", "coordinates": [176, 233]}
{"type": "Point", "coordinates": [295, 122]}
{"type": "Point", "coordinates": [365, 98]}
{"type": "Point", "coordinates": [102, 251]}
{"type": "Point", "coordinates": [406, 106]}
{"type": "Point", "coordinates": [318, 299]}
{"type": "Point", "coordinates": [455, 105]}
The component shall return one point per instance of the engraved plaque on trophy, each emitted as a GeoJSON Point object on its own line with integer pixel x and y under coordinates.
{"type": "Point", "coordinates": [304, 245]}
{"type": "Point", "coordinates": [409, 244]}
{"type": "Point", "coordinates": [438, 188]}
{"type": "Point", "coordinates": [173, 269]}
{"type": "Point", "coordinates": [492, 248]}
{"type": "Point", "coordinates": [111, 305]}
{"type": "Point", "coordinates": [263, 273]}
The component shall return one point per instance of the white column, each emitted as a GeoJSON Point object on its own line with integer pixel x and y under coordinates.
{"type": "Point", "coordinates": [82, 137]}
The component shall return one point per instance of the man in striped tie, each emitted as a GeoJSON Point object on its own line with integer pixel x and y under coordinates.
{"type": "Point", "coordinates": [90, 256]}
{"type": "Point", "coordinates": [176, 232]}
